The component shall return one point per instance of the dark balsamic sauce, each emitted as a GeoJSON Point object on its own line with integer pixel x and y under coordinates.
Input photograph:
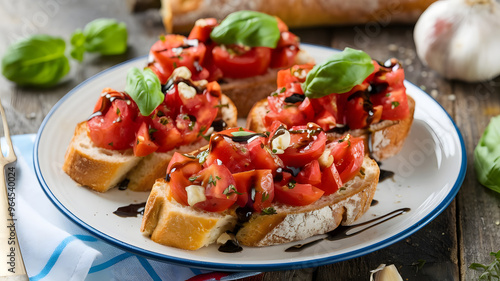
{"type": "Point", "coordinates": [294, 98]}
{"type": "Point", "coordinates": [339, 129]}
{"type": "Point", "coordinates": [231, 246]}
{"type": "Point", "coordinates": [374, 203]}
{"type": "Point", "coordinates": [341, 231]}
{"type": "Point", "coordinates": [132, 210]}
{"type": "Point", "coordinates": [385, 174]}
{"type": "Point", "coordinates": [245, 138]}
{"type": "Point", "coordinates": [244, 214]}
{"type": "Point", "coordinates": [219, 125]}
{"type": "Point", "coordinates": [172, 82]}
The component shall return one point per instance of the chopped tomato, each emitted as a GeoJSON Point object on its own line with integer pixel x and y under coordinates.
{"type": "Point", "coordinates": [348, 155]}
{"type": "Point", "coordinates": [310, 174]}
{"type": "Point", "coordinates": [264, 190]}
{"type": "Point", "coordinates": [296, 73]}
{"type": "Point", "coordinates": [143, 145]}
{"type": "Point", "coordinates": [202, 29]}
{"type": "Point", "coordinates": [307, 143]}
{"type": "Point", "coordinates": [173, 51]}
{"type": "Point", "coordinates": [188, 165]}
{"type": "Point", "coordinates": [220, 188]}
{"type": "Point", "coordinates": [297, 194]}
{"type": "Point", "coordinates": [114, 123]}
{"type": "Point", "coordinates": [240, 62]}
{"type": "Point", "coordinates": [178, 183]}
{"type": "Point", "coordinates": [330, 180]}
{"type": "Point", "coordinates": [286, 50]}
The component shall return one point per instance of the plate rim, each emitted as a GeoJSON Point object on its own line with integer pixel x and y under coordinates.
{"type": "Point", "coordinates": [245, 267]}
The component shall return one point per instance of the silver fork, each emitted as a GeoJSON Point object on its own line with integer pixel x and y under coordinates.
{"type": "Point", "coordinates": [11, 261]}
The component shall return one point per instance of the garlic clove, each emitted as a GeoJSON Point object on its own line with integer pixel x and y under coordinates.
{"type": "Point", "coordinates": [385, 273]}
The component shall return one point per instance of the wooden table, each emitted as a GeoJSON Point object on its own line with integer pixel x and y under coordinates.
{"type": "Point", "coordinates": [466, 232]}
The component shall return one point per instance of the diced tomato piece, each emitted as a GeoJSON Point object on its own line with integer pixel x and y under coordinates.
{"type": "Point", "coordinates": [297, 194]}
{"type": "Point", "coordinates": [143, 145]}
{"type": "Point", "coordinates": [330, 180]}
{"type": "Point", "coordinates": [310, 174]}
{"type": "Point", "coordinates": [202, 29]}
{"type": "Point", "coordinates": [348, 156]}
{"type": "Point", "coordinates": [264, 190]}
{"type": "Point", "coordinates": [307, 144]}
{"type": "Point", "coordinates": [220, 188]}
{"type": "Point", "coordinates": [238, 62]}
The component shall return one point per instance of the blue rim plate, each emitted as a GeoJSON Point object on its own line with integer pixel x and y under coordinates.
{"type": "Point", "coordinates": [429, 172]}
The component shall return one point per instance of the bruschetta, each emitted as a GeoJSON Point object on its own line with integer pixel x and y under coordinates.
{"type": "Point", "coordinates": [119, 145]}
{"type": "Point", "coordinates": [371, 103]}
{"type": "Point", "coordinates": [243, 53]}
{"type": "Point", "coordinates": [264, 189]}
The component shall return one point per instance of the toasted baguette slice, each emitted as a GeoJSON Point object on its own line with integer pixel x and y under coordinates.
{"type": "Point", "coordinates": [247, 91]}
{"type": "Point", "coordinates": [172, 224]}
{"type": "Point", "coordinates": [385, 139]}
{"type": "Point", "coordinates": [101, 169]}
{"type": "Point", "coordinates": [297, 223]}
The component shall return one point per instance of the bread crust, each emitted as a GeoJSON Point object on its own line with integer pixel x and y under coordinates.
{"type": "Point", "coordinates": [102, 169]}
{"type": "Point", "coordinates": [169, 223]}
{"type": "Point", "coordinates": [180, 15]}
{"type": "Point", "coordinates": [385, 138]}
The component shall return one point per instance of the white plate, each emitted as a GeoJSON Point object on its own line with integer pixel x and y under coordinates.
{"type": "Point", "coordinates": [429, 172]}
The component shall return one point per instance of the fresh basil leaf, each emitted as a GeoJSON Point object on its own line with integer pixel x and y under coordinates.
{"type": "Point", "coordinates": [103, 36]}
{"type": "Point", "coordinates": [144, 88]}
{"type": "Point", "coordinates": [487, 156]}
{"type": "Point", "coordinates": [77, 41]}
{"type": "Point", "coordinates": [247, 28]}
{"type": "Point", "coordinates": [38, 61]}
{"type": "Point", "coordinates": [339, 74]}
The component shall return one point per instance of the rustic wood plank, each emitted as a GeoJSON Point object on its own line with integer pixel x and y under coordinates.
{"type": "Point", "coordinates": [479, 211]}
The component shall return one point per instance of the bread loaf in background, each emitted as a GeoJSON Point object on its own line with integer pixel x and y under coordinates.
{"type": "Point", "coordinates": [180, 15]}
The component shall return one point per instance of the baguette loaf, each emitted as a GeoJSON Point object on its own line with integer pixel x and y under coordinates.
{"type": "Point", "coordinates": [383, 140]}
{"type": "Point", "coordinates": [172, 224]}
{"type": "Point", "coordinates": [101, 169]}
{"type": "Point", "coordinates": [180, 15]}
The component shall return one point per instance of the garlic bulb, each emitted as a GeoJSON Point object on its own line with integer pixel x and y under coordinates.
{"type": "Point", "coordinates": [460, 39]}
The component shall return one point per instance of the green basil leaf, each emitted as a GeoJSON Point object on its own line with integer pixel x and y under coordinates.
{"type": "Point", "coordinates": [38, 61]}
{"type": "Point", "coordinates": [242, 133]}
{"type": "Point", "coordinates": [105, 36]}
{"type": "Point", "coordinates": [339, 74]}
{"type": "Point", "coordinates": [487, 156]}
{"type": "Point", "coordinates": [77, 41]}
{"type": "Point", "coordinates": [145, 89]}
{"type": "Point", "coordinates": [247, 28]}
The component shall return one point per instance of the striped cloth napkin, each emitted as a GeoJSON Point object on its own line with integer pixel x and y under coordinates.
{"type": "Point", "coordinates": [55, 248]}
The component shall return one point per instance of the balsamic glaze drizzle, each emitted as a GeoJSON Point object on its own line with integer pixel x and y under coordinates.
{"type": "Point", "coordinates": [132, 210]}
{"type": "Point", "coordinates": [341, 231]}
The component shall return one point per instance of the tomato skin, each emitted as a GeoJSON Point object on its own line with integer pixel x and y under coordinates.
{"type": "Point", "coordinates": [330, 180]}
{"type": "Point", "coordinates": [286, 50]}
{"type": "Point", "coordinates": [143, 145]}
{"type": "Point", "coordinates": [218, 182]}
{"type": "Point", "coordinates": [264, 190]}
{"type": "Point", "coordinates": [202, 29]}
{"type": "Point", "coordinates": [244, 63]}
{"type": "Point", "coordinates": [304, 147]}
{"type": "Point", "coordinates": [294, 74]}
{"type": "Point", "coordinates": [299, 195]}
{"type": "Point", "coordinates": [116, 128]}
{"type": "Point", "coordinates": [178, 183]}
{"type": "Point", "coordinates": [348, 157]}
{"type": "Point", "coordinates": [310, 174]}
{"type": "Point", "coordinates": [172, 52]}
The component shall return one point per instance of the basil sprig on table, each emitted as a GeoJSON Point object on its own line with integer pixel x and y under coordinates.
{"type": "Point", "coordinates": [144, 87]}
{"type": "Point", "coordinates": [339, 74]}
{"type": "Point", "coordinates": [38, 60]}
{"type": "Point", "coordinates": [103, 36]}
{"type": "Point", "coordinates": [247, 28]}
{"type": "Point", "coordinates": [487, 156]}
